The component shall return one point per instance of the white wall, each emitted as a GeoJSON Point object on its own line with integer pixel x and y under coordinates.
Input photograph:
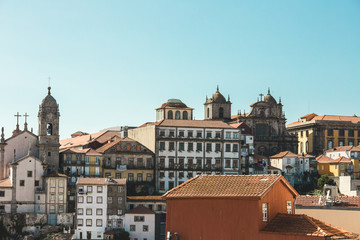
{"type": "Point", "coordinates": [149, 219]}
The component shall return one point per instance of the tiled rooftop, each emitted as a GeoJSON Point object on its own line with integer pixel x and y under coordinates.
{"type": "Point", "coordinates": [85, 139]}
{"type": "Point", "coordinates": [140, 210]}
{"type": "Point", "coordinates": [343, 148]}
{"type": "Point", "coordinates": [5, 182]}
{"type": "Point", "coordinates": [284, 154]}
{"type": "Point", "coordinates": [100, 181]}
{"type": "Point", "coordinates": [220, 186]}
{"type": "Point", "coordinates": [340, 202]}
{"type": "Point", "coordinates": [156, 198]}
{"type": "Point", "coordinates": [303, 225]}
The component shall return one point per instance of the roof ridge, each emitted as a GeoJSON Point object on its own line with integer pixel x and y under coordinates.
{"type": "Point", "coordinates": [314, 224]}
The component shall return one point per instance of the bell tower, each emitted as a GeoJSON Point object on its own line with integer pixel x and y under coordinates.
{"type": "Point", "coordinates": [48, 118]}
{"type": "Point", "coordinates": [217, 108]}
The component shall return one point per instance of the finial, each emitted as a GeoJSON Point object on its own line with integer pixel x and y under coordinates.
{"type": "Point", "coordinates": [280, 100]}
{"type": "Point", "coordinates": [25, 124]}
{"type": "Point", "coordinates": [217, 88]}
{"type": "Point", "coordinates": [2, 135]}
{"type": "Point", "coordinates": [228, 97]}
{"type": "Point", "coordinates": [49, 87]}
{"type": "Point", "coordinates": [269, 90]}
{"type": "Point", "coordinates": [257, 98]}
{"type": "Point", "coordinates": [206, 98]}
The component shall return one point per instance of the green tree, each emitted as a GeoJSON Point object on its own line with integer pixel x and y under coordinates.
{"type": "Point", "coordinates": [324, 179]}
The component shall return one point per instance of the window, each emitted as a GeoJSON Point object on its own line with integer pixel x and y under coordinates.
{"type": "Point", "coordinates": [185, 115]}
{"type": "Point", "coordinates": [190, 147]}
{"type": "Point", "coordinates": [228, 135]}
{"type": "Point", "coordinates": [236, 136]}
{"type": "Point", "coordinates": [162, 133]}
{"type": "Point", "coordinates": [171, 174]}
{"type": "Point", "coordinates": [29, 173]}
{"type": "Point", "coordinates": [289, 207]}
{"type": "Point", "coordinates": [171, 163]}
{"type": "Point", "coordinates": [217, 147]}
{"type": "Point", "coordinates": [181, 134]}
{"type": "Point", "coordinates": [2, 193]}
{"type": "Point", "coordinates": [330, 132]}
{"type": "Point", "coordinates": [79, 222]}
{"type": "Point", "coordinates": [130, 177]}
{"type": "Point", "coordinates": [88, 222]}
{"type": "Point", "coordinates": [148, 177]}
{"type": "Point", "coordinates": [264, 212]}
{"type": "Point", "coordinates": [198, 147]}
{"type": "Point", "coordinates": [131, 162]}
{"type": "Point", "coordinates": [330, 144]}
{"type": "Point", "coordinates": [87, 171]}
{"type": "Point", "coordinates": [99, 222]}
{"type": "Point", "coordinates": [109, 199]}
{"type": "Point", "coordinates": [37, 183]}
{"type": "Point", "coordinates": [198, 134]}
{"type": "Point", "coordinates": [159, 207]}
{"type": "Point", "coordinates": [99, 199]}
{"type": "Point", "coordinates": [190, 134]}
{"type": "Point", "coordinates": [139, 177]}
{"type": "Point", "coordinates": [342, 166]}
{"type": "Point", "coordinates": [145, 228]}
{"type": "Point", "coordinates": [341, 132]}
{"type": "Point", "coordinates": [80, 199]}
{"type": "Point", "coordinates": [208, 147]}
{"type": "Point", "coordinates": [235, 164]}
{"type": "Point", "coordinates": [181, 174]}
{"type": "Point", "coordinates": [208, 134]}
{"type": "Point", "coordinates": [177, 115]}
{"type": "Point", "coordinates": [162, 186]}
{"type": "Point", "coordinates": [171, 184]}
{"type": "Point", "coordinates": [22, 183]}
{"type": "Point", "coordinates": [171, 146]}
{"type": "Point", "coordinates": [89, 199]}
{"type": "Point", "coordinates": [97, 161]}
{"type": "Point", "coordinates": [97, 171]}
{"type": "Point", "coordinates": [99, 189]}
{"type": "Point", "coordinates": [171, 134]}
{"type": "Point", "coordinates": [119, 200]}
{"type": "Point", "coordinates": [221, 112]}
{"type": "Point", "coordinates": [235, 148]}
{"type": "Point", "coordinates": [351, 133]}
{"type": "Point", "coordinates": [89, 189]}
{"type": "Point", "coordinates": [140, 162]}
{"type": "Point", "coordinates": [120, 189]}
{"type": "Point", "coordinates": [199, 162]}
{"type": "Point", "coordinates": [162, 163]}
{"type": "Point", "coordinates": [170, 116]}
{"type": "Point", "coordinates": [227, 147]}
{"type": "Point", "coordinates": [88, 211]}
{"type": "Point", "coordinates": [217, 135]}
{"type": "Point", "coordinates": [149, 163]}
{"type": "Point", "coordinates": [227, 163]}
{"type": "Point", "coordinates": [99, 211]}
{"type": "Point", "coordinates": [132, 228]}
{"type": "Point", "coordinates": [139, 218]}
{"type": "Point", "coordinates": [87, 160]}
{"type": "Point", "coordinates": [52, 208]}
{"type": "Point", "coordinates": [119, 212]}
{"type": "Point", "coordinates": [181, 146]}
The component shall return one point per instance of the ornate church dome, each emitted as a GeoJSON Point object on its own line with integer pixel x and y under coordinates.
{"type": "Point", "coordinates": [270, 99]}
{"type": "Point", "coordinates": [217, 97]}
{"type": "Point", "coordinates": [174, 103]}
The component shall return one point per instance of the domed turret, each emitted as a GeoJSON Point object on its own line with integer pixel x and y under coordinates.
{"type": "Point", "coordinates": [270, 99]}
{"type": "Point", "coordinates": [174, 109]}
{"type": "Point", "coordinates": [217, 107]}
{"type": "Point", "coordinates": [49, 101]}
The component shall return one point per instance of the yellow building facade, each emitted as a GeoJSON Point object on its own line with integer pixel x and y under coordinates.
{"type": "Point", "coordinates": [338, 167]}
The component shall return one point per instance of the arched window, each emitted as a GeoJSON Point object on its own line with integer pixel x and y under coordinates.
{"type": "Point", "coordinates": [221, 112]}
{"type": "Point", "coordinates": [185, 115]}
{"type": "Point", "coordinates": [49, 129]}
{"type": "Point", "coordinates": [170, 114]}
{"type": "Point", "coordinates": [208, 112]}
{"type": "Point", "coordinates": [330, 144]}
{"type": "Point", "coordinates": [177, 115]}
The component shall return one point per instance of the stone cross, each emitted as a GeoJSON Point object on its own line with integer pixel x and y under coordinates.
{"type": "Point", "coordinates": [261, 95]}
{"type": "Point", "coordinates": [17, 119]}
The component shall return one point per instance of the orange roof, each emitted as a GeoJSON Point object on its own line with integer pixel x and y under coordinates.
{"type": "Point", "coordinates": [303, 225]}
{"type": "Point", "coordinates": [110, 144]}
{"type": "Point", "coordinates": [324, 159]}
{"type": "Point", "coordinates": [140, 210]}
{"type": "Point", "coordinates": [145, 198]}
{"type": "Point", "coordinates": [101, 137]}
{"type": "Point", "coordinates": [343, 148]}
{"type": "Point", "coordinates": [284, 154]}
{"type": "Point", "coordinates": [342, 159]}
{"type": "Point", "coordinates": [100, 181]}
{"type": "Point", "coordinates": [195, 123]}
{"type": "Point", "coordinates": [224, 186]}
{"type": "Point", "coordinates": [309, 116]}
{"type": "Point", "coordinates": [353, 119]}
{"type": "Point", "coordinates": [340, 202]}
{"type": "Point", "coordinates": [5, 182]}
{"type": "Point", "coordinates": [92, 152]}
{"type": "Point", "coordinates": [306, 156]}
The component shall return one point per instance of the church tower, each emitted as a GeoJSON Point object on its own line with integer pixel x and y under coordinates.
{"type": "Point", "coordinates": [217, 108]}
{"type": "Point", "coordinates": [48, 118]}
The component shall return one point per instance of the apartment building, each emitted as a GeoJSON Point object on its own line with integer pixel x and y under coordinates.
{"type": "Point", "coordinates": [140, 223]}
{"type": "Point", "coordinates": [100, 203]}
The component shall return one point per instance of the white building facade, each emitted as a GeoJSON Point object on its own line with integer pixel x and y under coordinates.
{"type": "Point", "coordinates": [140, 223]}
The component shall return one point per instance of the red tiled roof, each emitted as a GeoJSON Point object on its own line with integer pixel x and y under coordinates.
{"type": "Point", "coordinates": [324, 159]}
{"type": "Point", "coordinates": [101, 137]}
{"type": "Point", "coordinates": [194, 123]}
{"type": "Point", "coordinates": [306, 156]}
{"type": "Point", "coordinates": [303, 225]}
{"type": "Point", "coordinates": [343, 148]}
{"type": "Point", "coordinates": [340, 202]}
{"type": "Point", "coordinates": [309, 116]}
{"type": "Point", "coordinates": [144, 198]}
{"type": "Point", "coordinates": [224, 186]}
{"type": "Point", "coordinates": [140, 210]}
{"type": "Point", "coordinates": [5, 182]}
{"type": "Point", "coordinates": [111, 144]}
{"type": "Point", "coordinates": [352, 119]}
{"type": "Point", "coordinates": [100, 181]}
{"type": "Point", "coordinates": [284, 154]}
{"type": "Point", "coordinates": [342, 159]}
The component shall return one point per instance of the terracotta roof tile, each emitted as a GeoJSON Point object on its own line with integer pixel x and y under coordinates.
{"type": "Point", "coordinates": [340, 202]}
{"type": "Point", "coordinates": [284, 154]}
{"type": "Point", "coordinates": [220, 186]}
{"type": "Point", "coordinates": [100, 181]}
{"type": "Point", "coordinates": [140, 210]}
{"type": "Point", "coordinates": [309, 116]}
{"type": "Point", "coordinates": [306, 156]}
{"type": "Point", "coordinates": [195, 123]}
{"type": "Point", "coordinates": [324, 159]}
{"type": "Point", "coordinates": [5, 182]}
{"type": "Point", "coordinates": [303, 225]}
{"type": "Point", "coordinates": [144, 198]}
{"type": "Point", "coordinates": [352, 119]}
{"type": "Point", "coordinates": [101, 137]}
{"type": "Point", "coordinates": [343, 148]}
{"type": "Point", "coordinates": [110, 144]}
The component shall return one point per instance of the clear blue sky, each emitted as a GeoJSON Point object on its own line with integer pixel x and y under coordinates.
{"type": "Point", "coordinates": [113, 62]}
